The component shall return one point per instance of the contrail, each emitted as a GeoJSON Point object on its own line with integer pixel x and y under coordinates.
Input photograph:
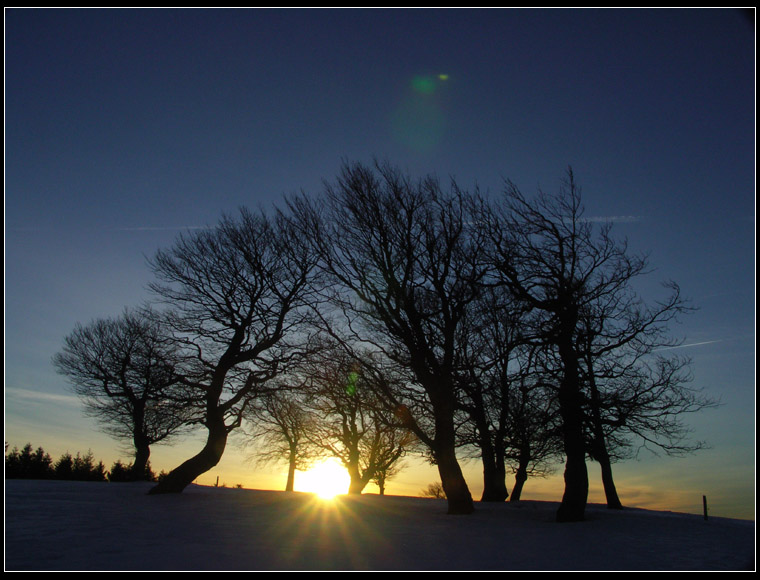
{"type": "Point", "coordinates": [160, 228]}
{"type": "Point", "coordinates": [613, 218]}
{"type": "Point", "coordinates": [688, 345]}
{"type": "Point", "coordinates": [116, 229]}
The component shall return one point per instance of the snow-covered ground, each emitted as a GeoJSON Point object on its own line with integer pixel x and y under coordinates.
{"type": "Point", "coordinates": [78, 526]}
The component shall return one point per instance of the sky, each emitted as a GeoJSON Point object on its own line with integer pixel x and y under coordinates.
{"type": "Point", "coordinates": [125, 127]}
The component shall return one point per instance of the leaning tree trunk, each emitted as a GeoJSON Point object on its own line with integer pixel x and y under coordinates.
{"type": "Point", "coordinates": [610, 491]}
{"type": "Point", "coordinates": [521, 475]}
{"type": "Point", "coordinates": [452, 479]}
{"type": "Point", "coordinates": [573, 506]}
{"type": "Point", "coordinates": [454, 485]}
{"type": "Point", "coordinates": [180, 477]}
{"type": "Point", "coordinates": [600, 447]}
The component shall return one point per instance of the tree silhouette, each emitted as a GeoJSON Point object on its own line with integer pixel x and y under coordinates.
{"type": "Point", "coordinates": [643, 408]}
{"type": "Point", "coordinates": [403, 260]}
{"type": "Point", "coordinates": [236, 297]}
{"type": "Point", "coordinates": [28, 463]}
{"type": "Point", "coordinates": [563, 268]}
{"type": "Point", "coordinates": [124, 370]}
{"type": "Point", "coordinates": [512, 422]}
{"type": "Point", "coordinates": [79, 468]}
{"type": "Point", "coordinates": [279, 425]}
{"type": "Point", "coordinates": [620, 340]}
{"type": "Point", "coordinates": [434, 490]}
{"type": "Point", "coordinates": [350, 420]}
{"type": "Point", "coordinates": [508, 328]}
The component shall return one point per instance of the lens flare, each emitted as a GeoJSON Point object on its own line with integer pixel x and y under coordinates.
{"type": "Point", "coordinates": [419, 121]}
{"type": "Point", "coordinates": [423, 84]}
{"type": "Point", "coordinates": [353, 376]}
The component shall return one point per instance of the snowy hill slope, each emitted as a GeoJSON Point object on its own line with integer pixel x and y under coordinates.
{"type": "Point", "coordinates": [56, 525]}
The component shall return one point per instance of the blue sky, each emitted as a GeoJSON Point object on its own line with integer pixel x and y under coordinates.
{"type": "Point", "coordinates": [124, 127]}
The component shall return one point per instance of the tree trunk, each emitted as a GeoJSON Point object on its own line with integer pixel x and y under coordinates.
{"type": "Point", "coordinates": [521, 475]}
{"type": "Point", "coordinates": [444, 451]}
{"type": "Point", "coordinates": [494, 472]}
{"type": "Point", "coordinates": [452, 479]}
{"type": "Point", "coordinates": [140, 465]}
{"type": "Point", "coordinates": [356, 486]}
{"type": "Point", "coordinates": [573, 506]}
{"type": "Point", "coordinates": [600, 446]}
{"type": "Point", "coordinates": [454, 485]}
{"type": "Point", "coordinates": [180, 477]}
{"type": "Point", "coordinates": [140, 441]}
{"type": "Point", "coordinates": [601, 455]}
{"type": "Point", "coordinates": [494, 481]}
{"type": "Point", "coordinates": [358, 481]}
{"type": "Point", "coordinates": [610, 491]}
{"type": "Point", "coordinates": [290, 485]}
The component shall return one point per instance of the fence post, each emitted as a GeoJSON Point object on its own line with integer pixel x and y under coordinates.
{"type": "Point", "coordinates": [704, 506]}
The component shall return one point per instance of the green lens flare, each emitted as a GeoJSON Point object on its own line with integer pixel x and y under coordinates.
{"type": "Point", "coordinates": [353, 377]}
{"type": "Point", "coordinates": [423, 84]}
{"type": "Point", "coordinates": [419, 120]}
{"type": "Point", "coordinates": [426, 84]}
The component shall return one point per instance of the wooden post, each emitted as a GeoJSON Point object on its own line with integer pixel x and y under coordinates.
{"type": "Point", "coordinates": [704, 506]}
{"type": "Point", "coordinates": [217, 481]}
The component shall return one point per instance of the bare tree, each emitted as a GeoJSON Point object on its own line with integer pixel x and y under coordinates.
{"type": "Point", "coordinates": [620, 339]}
{"type": "Point", "coordinates": [510, 402]}
{"type": "Point", "coordinates": [638, 400]}
{"type": "Point", "coordinates": [237, 296]}
{"type": "Point", "coordinates": [350, 421]}
{"type": "Point", "coordinates": [404, 258]}
{"type": "Point", "coordinates": [511, 413]}
{"type": "Point", "coordinates": [125, 371]}
{"type": "Point", "coordinates": [434, 490]}
{"type": "Point", "coordinates": [531, 436]}
{"type": "Point", "coordinates": [485, 381]}
{"type": "Point", "coordinates": [563, 267]}
{"type": "Point", "coordinates": [532, 450]}
{"type": "Point", "coordinates": [391, 465]}
{"type": "Point", "coordinates": [280, 423]}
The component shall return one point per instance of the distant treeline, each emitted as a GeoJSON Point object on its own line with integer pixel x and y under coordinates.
{"type": "Point", "coordinates": [29, 463]}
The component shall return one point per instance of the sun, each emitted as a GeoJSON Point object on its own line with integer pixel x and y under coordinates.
{"type": "Point", "coordinates": [327, 479]}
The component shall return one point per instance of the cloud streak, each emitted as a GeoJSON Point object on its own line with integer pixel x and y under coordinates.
{"type": "Point", "coordinates": [40, 396]}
